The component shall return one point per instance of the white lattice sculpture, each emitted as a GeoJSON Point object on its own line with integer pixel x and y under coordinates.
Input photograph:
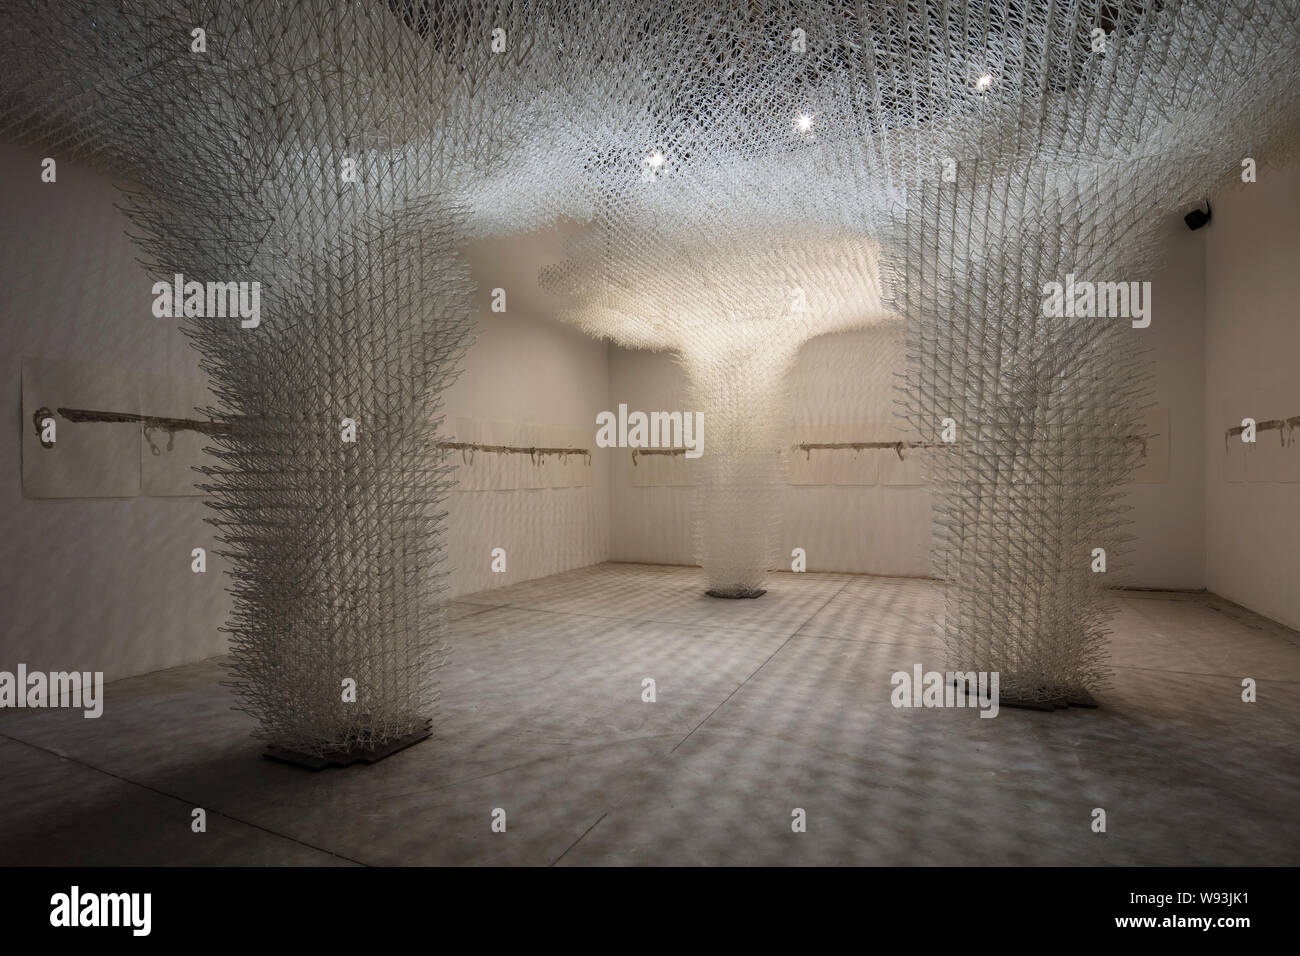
{"type": "Point", "coordinates": [1079, 157]}
{"type": "Point", "coordinates": [308, 147]}
{"type": "Point", "coordinates": [942, 161]}
{"type": "Point", "coordinates": [734, 317]}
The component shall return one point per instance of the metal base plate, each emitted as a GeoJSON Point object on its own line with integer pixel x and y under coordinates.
{"type": "Point", "coordinates": [736, 592]}
{"type": "Point", "coordinates": [345, 758]}
{"type": "Point", "coordinates": [1078, 698]}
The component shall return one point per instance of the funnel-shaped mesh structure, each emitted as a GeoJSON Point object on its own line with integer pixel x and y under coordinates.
{"type": "Point", "coordinates": [737, 502]}
{"type": "Point", "coordinates": [1098, 146]}
{"type": "Point", "coordinates": [312, 148]}
{"type": "Point", "coordinates": [734, 317]}
{"type": "Point", "coordinates": [1044, 424]}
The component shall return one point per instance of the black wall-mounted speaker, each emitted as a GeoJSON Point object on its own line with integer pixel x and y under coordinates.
{"type": "Point", "coordinates": [1198, 217]}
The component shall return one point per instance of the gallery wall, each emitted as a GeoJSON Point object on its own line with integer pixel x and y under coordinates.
{"type": "Point", "coordinates": [1252, 369]}
{"type": "Point", "coordinates": [527, 380]}
{"type": "Point", "coordinates": [842, 380]}
{"type": "Point", "coordinates": [91, 583]}
{"type": "Point", "coordinates": [1168, 550]}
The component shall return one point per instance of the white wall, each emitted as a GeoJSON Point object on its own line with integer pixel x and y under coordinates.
{"type": "Point", "coordinates": [90, 584]}
{"type": "Point", "coordinates": [527, 368]}
{"type": "Point", "coordinates": [1167, 517]}
{"type": "Point", "coordinates": [844, 379]}
{"type": "Point", "coordinates": [850, 379]}
{"type": "Point", "coordinates": [650, 524]}
{"type": "Point", "coordinates": [1252, 321]}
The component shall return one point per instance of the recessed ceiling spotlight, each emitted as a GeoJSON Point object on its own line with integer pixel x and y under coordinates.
{"type": "Point", "coordinates": [984, 82]}
{"type": "Point", "coordinates": [804, 123]}
{"type": "Point", "coordinates": [655, 160]}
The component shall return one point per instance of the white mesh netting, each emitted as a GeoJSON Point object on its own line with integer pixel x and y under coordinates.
{"type": "Point", "coordinates": [754, 175]}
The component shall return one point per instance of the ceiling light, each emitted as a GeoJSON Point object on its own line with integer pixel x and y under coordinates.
{"type": "Point", "coordinates": [984, 82]}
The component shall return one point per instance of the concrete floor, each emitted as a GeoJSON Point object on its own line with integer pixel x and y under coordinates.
{"type": "Point", "coordinates": [763, 706]}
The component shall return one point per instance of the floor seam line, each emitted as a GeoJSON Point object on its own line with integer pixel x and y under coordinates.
{"type": "Point", "coordinates": [171, 796]}
{"type": "Point", "coordinates": [1162, 670]}
{"type": "Point", "coordinates": [479, 609]}
{"type": "Point", "coordinates": [580, 838]}
{"type": "Point", "coordinates": [766, 660]}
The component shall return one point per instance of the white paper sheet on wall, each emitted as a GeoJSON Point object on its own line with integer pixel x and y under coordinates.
{"type": "Point", "coordinates": [837, 466]}
{"type": "Point", "coordinates": [1288, 458]}
{"type": "Point", "coordinates": [1274, 456]}
{"type": "Point", "coordinates": [479, 470]}
{"type": "Point", "coordinates": [1277, 453]}
{"type": "Point", "coordinates": [532, 471]}
{"type": "Point", "coordinates": [579, 467]}
{"type": "Point", "coordinates": [550, 464]}
{"type": "Point", "coordinates": [852, 466]}
{"type": "Point", "coordinates": [1256, 465]}
{"type": "Point", "coordinates": [803, 466]}
{"type": "Point", "coordinates": [168, 459]}
{"type": "Point", "coordinates": [89, 459]}
{"type": "Point", "coordinates": [1289, 467]}
{"type": "Point", "coordinates": [679, 470]}
{"type": "Point", "coordinates": [644, 469]}
{"type": "Point", "coordinates": [503, 470]}
{"type": "Point", "coordinates": [1269, 454]}
{"type": "Point", "coordinates": [1153, 467]}
{"type": "Point", "coordinates": [1260, 461]}
{"type": "Point", "coordinates": [907, 471]}
{"type": "Point", "coordinates": [654, 470]}
{"type": "Point", "coordinates": [468, 464]}
{"type": "Point", "coordinates": [569, 468]}
{"type": "Point", "coordinates": [1234, 449]}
